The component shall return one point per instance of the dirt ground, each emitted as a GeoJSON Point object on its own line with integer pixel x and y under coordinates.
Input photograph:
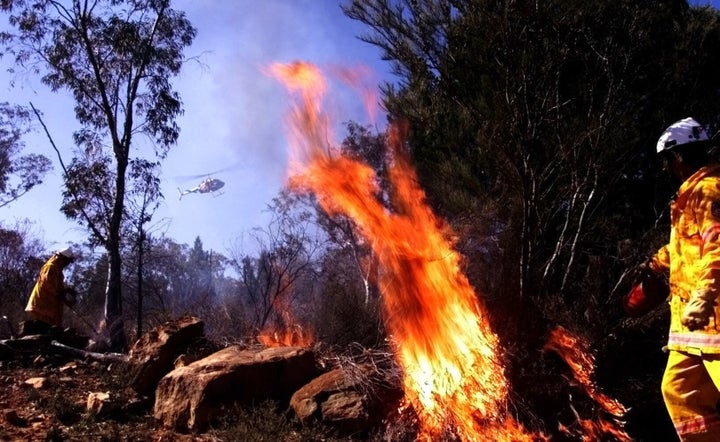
{"type": "Point", "coordinates": [54, 409]}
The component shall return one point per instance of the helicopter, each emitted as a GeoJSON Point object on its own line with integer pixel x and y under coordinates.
{"type": "Point", "coordinates": [208, 185]}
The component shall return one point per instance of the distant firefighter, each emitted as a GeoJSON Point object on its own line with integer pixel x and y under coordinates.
{"type": "Point", "coordinates": [50, 292]}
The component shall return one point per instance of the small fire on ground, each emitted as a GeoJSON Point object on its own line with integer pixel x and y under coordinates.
{"type": "Point", "coordinates": [576, 353]}
{"type": "Point", "coordinates": [282, 328]}
{"type": "Point", "coordinates": [450, 357]}
{"type": "Point", "coordinates": [286, 336]}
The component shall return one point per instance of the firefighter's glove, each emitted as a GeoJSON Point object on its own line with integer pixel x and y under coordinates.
{"type": "Point", "coordinates": [699, 309]}
{"type": "Point", "coordinates": [649, 290]}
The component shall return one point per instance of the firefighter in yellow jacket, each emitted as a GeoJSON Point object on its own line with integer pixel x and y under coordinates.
{"type": "Point", "coordinates": [692, 258]}
{"type": "Point", "coordinates": [50, 292]}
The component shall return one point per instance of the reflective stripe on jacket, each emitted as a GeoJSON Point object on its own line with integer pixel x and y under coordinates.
{"type": "Point", "coordinates": [693, 257]}
{"type": "Point", "coordinates": [45, 303]}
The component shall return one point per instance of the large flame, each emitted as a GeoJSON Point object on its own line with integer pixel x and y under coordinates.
{"type": "Point", "coordinates": [449, 355]}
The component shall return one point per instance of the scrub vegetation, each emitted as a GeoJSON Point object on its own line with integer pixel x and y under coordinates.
{"type": "Point", "coordinates": [532, 127]}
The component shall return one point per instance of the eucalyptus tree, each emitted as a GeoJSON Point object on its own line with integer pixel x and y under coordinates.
{"type": "Point", "coordinates": [143, 202]}
{"type": "Point", "coordinates": [117, 59]}
{"type": "Point", "coordinates": [18, 172]}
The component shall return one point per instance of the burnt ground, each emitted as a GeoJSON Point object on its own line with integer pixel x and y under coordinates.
{"type": "Point", "coordinates": [56, 410]}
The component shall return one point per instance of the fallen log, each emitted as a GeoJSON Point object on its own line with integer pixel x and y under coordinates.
{"type": "Point", "coordinates": [102, 357]}
{"type": "Point", "coordinates": [27, 344]}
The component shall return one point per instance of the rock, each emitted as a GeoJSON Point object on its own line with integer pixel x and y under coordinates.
{"type": "Point", "coordinates": [97, 403]}
{"type": "Point", "coordinates": [70, 366]}
{"type": "Point", "coordinates": [191, 397]}
{"type": "Point", "coordinates": [154, 353]}
{"type": "Point", "coordinates": [351, 401]}
{"type": "Point", "coordinates": [38, 382]}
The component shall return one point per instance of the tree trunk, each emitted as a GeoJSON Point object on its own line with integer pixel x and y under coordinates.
{"type": "Point", "coordinates": [113, 292]}
{"type": "Point", "coordinates": [141, 242]}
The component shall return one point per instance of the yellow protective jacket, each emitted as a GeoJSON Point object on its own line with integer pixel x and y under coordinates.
{"type": "Point", "coordinates": [693, 258]}
{"type": "Point", "coordinates": [46, 300]}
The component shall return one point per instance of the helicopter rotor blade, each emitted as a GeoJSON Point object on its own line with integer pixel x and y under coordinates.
{"type": "Point", "coordinates": [204, 175]}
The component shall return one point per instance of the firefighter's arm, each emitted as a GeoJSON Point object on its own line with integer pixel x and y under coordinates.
{"type": "Point", "coordinates": [701, 305]}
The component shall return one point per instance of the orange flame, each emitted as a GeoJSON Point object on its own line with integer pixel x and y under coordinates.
{"type": "Point", "coordinates": [284, 331]}
{"type": "Point", "coordinates": [449, 355]}
{"type": "Point", "coordinates": [293, 336]}
{"type": "Point", "coordinates": [576, 353]}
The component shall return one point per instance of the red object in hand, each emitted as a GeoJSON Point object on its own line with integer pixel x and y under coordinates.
{"type": "Point", "coordinates": [645, 295]}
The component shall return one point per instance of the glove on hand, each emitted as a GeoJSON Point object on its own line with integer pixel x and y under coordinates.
{"type": "Point", "coordinates": [699, 309]}
{"type": "Point", "coordinates": [649, 291]}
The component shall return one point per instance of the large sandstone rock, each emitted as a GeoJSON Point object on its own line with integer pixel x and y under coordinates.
{"type": "Point", "coordinates": [191, 396]}
{"type": "Point", "coordinates": [352, 400]}
{"type": "Point", "coordinates": [154, 353]}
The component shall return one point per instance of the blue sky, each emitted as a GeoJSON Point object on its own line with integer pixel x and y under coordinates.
{"type": "Point", "coordinates": [234, 118]}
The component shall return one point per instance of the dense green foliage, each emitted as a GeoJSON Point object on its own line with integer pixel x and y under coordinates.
{"type": "Point", "coordinates": [547, 113]}
{"type": "Point", "coordinates": [534, 127]}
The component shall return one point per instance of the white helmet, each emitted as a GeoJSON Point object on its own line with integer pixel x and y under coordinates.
{"type": "Point", "coordinates": [66, 252]}
{"type": "Point", "coordinates": [681, 132]}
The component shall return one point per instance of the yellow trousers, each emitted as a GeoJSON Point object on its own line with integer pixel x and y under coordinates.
{"type": "Point", "coordinates": [691, 390]}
